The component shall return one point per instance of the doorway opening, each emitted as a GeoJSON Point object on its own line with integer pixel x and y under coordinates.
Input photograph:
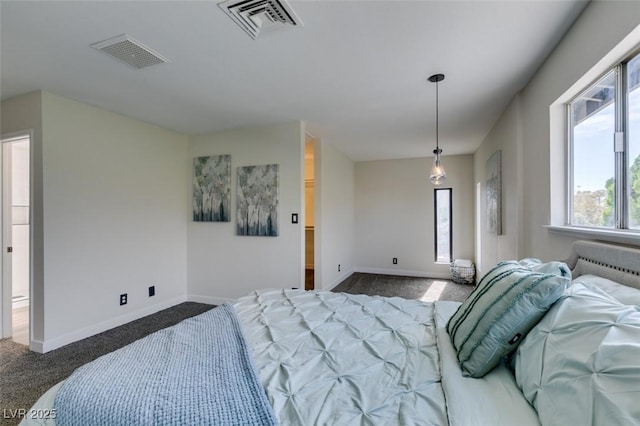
{"type": "Point", "coordinates": [309, 220]}
{"type": "Point", "coordinates": [16, 238]}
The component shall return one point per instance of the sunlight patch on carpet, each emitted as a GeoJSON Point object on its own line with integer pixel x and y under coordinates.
{"type": "Point", "coordinates": [434, 291]}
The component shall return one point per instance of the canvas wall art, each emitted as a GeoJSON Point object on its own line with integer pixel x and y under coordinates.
{"type": "Point", "coordinates": [257, 200]}
{"type": "Point", "coordinates": [494, 193]}
{"type": "Point", "coordinates": [212, 188]}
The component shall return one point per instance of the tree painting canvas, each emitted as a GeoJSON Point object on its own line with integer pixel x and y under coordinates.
{"type": "Point", "coordinates": [212, 188]}
{"type": "Point", "coordinates": [494, 193]}
{"type": "Point", "coordinates": [257, 200]}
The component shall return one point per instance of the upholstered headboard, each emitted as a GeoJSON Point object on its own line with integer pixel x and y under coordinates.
{"type": "Point", "coordinates": [614, 262]}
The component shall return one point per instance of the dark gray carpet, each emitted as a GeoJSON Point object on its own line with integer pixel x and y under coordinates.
{"type": "Point", "coordinates": [407, 287]}
{"type": "Point", "coordinates": [25, 375]}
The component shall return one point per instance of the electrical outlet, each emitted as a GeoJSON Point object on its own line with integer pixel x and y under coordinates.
{"type": "Point", "coordinates": [395, 260]}
{"type": "Point", "coordinates": [152, 290]}
{"type": "Point", "coordinates": [338, 267]}
{"type": "Point", "coordinates": [123, 299]}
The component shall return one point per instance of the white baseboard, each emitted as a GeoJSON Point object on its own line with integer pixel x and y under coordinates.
{"type": "Point", "coordinates": [404, 273]}
{"type": "Point", "coordinates": [36, 346]}
{"type": "Point", "coordinates": [208, 299]}
{"type": "Point", "coordinates": [92, 330]}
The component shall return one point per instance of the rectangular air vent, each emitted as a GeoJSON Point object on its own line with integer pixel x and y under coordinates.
{"type": "Point", "coordinates": [257, 17]}
{"type": "Point", "coordinates": [131, 52]}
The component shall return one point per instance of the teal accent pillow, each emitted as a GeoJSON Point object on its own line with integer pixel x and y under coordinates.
{"type": "Point", "coordinates": [580, 365]}
{"type": "Point", "coordinates": [507, 302]}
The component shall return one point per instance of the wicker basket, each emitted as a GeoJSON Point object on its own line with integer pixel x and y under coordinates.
{"type": "Point", "coordinates": [463, 274]}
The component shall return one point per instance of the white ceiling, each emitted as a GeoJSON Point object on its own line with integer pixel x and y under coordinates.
{"type": "Point", "coordinates": [356, 72]}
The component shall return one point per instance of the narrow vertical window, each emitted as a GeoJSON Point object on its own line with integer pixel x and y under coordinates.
{"type": "Point", "coordinates": [443, 224]}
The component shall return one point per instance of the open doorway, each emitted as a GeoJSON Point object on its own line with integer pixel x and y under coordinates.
{"type": "Point", "coordinates": [16, 237]}
{"type": "Point", "coordinates": [309, 221]}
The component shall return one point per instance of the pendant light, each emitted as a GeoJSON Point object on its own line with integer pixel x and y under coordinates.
{"type": "Point", "coordinates": [438, 174]}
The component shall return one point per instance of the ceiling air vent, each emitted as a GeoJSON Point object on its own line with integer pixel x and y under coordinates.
{"type": "Point", "coordinates": [130, 51]}
{"type": "Point", "coordinates": [257, 17]}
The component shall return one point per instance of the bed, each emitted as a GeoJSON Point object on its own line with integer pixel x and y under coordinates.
{"type": "Point", "coordinates": [557, 343]}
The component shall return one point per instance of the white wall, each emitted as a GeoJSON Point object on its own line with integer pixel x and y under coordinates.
{"type": "Point", "coordinates": [335, 215]}
{"type": "Point", "coordinates": [588, 41]}
{"type": "Point", "coordinates": [505, 136]}
{"type": "Point", "coordinates": [224, 266]}
{"type": "Point", "coordinates": [580, 53]}
{"type": "Point", "coordinates": [394, 215]}
{"type": "Point", "coordinates": [114, 192]}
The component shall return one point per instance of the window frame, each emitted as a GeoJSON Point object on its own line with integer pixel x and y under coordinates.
{"type": "Point", "coordinates": [571, 152]}
{"type": "Point", "coordinates": [620, 145]}
{"type": "Point", "coordinates": [435, 224]}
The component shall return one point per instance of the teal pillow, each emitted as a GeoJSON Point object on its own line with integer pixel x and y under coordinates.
{"type": "Point", "coordinates": [507, 302]}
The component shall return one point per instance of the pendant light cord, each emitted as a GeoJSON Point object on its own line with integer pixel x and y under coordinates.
{"type": "Point", "coordinates": [437, 130]}
{"type": "Point", "coordinates": [437, 78]}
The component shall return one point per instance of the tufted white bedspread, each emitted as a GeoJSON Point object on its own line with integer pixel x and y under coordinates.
{"type": "Point", "coordinates": [342, 359]}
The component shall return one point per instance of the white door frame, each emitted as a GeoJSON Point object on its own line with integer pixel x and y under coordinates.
{"type": "Point", "coordinates": [479, 270]}
{"type": "Point", "coordinates": [6, 321]}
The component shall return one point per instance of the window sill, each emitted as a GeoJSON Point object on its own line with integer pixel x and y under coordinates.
{"type": "Point", "coordinates": [611, 235]}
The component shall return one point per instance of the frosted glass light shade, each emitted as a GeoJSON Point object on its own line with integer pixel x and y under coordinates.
{"type": "Point", "coordinates": [438, 175]}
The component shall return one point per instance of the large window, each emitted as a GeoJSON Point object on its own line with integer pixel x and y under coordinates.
{"type": "Point", "coordinates": [604, 133]}
{"type": "Point", "coordinates": [443, 224]}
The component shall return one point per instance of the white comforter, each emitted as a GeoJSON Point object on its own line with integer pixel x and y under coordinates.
{"type": "Point", "coordinates": [339, 359]}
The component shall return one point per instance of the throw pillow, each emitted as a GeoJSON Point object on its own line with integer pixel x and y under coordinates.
{"type": "Point", "coordinates": [507, 302]}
